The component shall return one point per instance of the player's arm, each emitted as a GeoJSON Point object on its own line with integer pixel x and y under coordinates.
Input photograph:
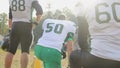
{"type": "Point", "coordinates": [69, 43]}
{"type": "Point", "coordinates": [83, 33]}
{"type": "Point", "coordinates": [39, 11]}
{"type": "Point", "coordinates": [69, 47]}
{"type": "Point", "coordinates": [10, 18]}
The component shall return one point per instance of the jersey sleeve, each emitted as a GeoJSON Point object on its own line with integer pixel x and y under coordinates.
{"type": "Point", "coordinates": [10, 13]}
{"type": "Point", "coordinates": [37, 6]}
{"type": "Point", "coordinates": [72, 28]}
{"type": "Point", "coordinates": [69, 37]}
{"type": "Point", "coordinates": [83, 34]}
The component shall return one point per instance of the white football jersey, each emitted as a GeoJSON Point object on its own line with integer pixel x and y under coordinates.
{"type": "Point", "coordinates": [55, 32]}
{"type": "Point", "coordinates": [103, 17]}
{"type": "Point", "coordinates": [21, 10]}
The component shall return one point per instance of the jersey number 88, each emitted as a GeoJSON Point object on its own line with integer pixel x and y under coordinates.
{"type": "Point", "coordinates": [20, 5]}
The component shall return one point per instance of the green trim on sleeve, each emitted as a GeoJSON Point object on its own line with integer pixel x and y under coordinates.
{"type": "Point", "coordinates": [69, 37]}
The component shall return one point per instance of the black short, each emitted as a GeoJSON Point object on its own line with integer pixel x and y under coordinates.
{"type": "Point", "coordinates": [92, 61]}
{"type": "Point", "coordinates": [21, 33]}
{"type": "Point", "coordinates": [76, 59]}
{"type": "Point", "coordinates": [82, 59]}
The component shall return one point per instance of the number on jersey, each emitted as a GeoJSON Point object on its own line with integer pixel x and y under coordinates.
{"type": "Point", "coordinates": [58, 28]}
{"type": "Point", "coordinates": [107, 14]}
{"type": "Point", "coordinates": [20, 5]}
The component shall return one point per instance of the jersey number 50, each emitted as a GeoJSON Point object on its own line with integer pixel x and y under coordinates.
{"type": "Point", "coordinates": [20, 5]}
{"type": "Point", "coordinates": [57, 28]}
{"type": "Point", "coordinates": [107, 14]}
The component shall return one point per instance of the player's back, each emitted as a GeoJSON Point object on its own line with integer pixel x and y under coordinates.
{"type": "Point", "coordinates": [103, 17]}
{"type": "Point", "coordinates": [21, 10]}
{"type": "Point", "coordinates": [55, 32]}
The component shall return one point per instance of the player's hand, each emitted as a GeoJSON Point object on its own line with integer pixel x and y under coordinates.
{"type": "Point", "coordinates": [6, 43]}
{"type": "Point", "coordinates": [63, 54]}
{"type": "Point", "coordinates": [34, 25]}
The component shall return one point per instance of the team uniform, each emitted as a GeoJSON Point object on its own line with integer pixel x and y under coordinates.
{"type": "Point", "coordinates": [103, 17]}
{"type": "Point", "coordinates": [21, 15]}
{"type": "Point", "coordinates": [48, 48]}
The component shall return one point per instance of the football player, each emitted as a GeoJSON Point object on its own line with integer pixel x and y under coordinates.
{"type": "Point", "coordinates": [103, 18]}
{"type": "Point", "coordinates": [20, 23]}
{"type": "Point", "coordinates": [48, 48]}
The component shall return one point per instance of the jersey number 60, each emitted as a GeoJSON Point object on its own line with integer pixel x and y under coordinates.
{"type": "Point", "coordinates": [106, 13]}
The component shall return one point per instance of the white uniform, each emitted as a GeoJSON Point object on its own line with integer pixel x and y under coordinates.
{"type": "Point", "coordinates": [103, 17]}
{"type": "Point", "coordinates": [21, 10]}
{"type": "Point", "coordinates": [55, 32]}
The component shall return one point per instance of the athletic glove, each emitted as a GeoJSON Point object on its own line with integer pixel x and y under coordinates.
{"type": "Point", "coordinates": [5, 45]}
{"type": "Point", "coordinates": [63, 54]}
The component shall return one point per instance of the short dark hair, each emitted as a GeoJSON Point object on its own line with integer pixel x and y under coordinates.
{"type": "Point", "coordinates": [61, 17]}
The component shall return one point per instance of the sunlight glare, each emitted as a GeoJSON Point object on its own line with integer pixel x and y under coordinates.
{"type": "Point", "coordinates": [88, 3]}
{"type": "Point", "coordinates": [58, 4]}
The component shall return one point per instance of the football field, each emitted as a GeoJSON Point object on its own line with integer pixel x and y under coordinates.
{"type": "Point", "coordinates": [16, 60]}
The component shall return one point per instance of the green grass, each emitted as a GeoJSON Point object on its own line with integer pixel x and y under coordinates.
{"type": "Point", "coordinates": [16, 60]}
